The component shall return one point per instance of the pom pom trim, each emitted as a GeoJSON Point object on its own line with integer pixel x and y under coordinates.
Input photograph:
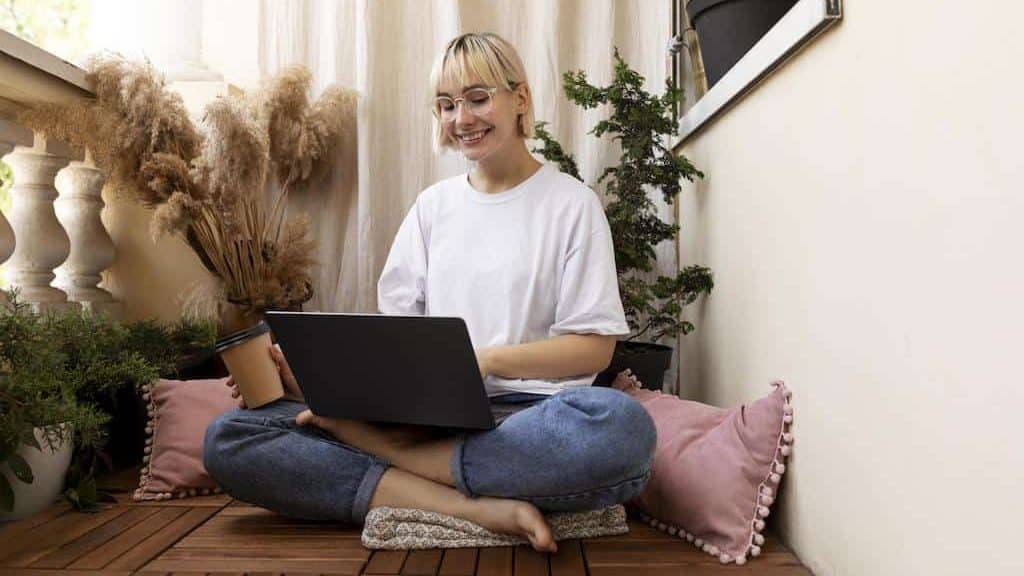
{"type": "Point", "coordinates": [142, 493]}
{"type": "Point", "coordinates": [765, 496]}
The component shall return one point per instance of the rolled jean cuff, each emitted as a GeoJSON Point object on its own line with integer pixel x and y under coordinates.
{"type": "Point", "coordinates": [361, 504]}
{"type": "Point", "coordinates": [458, 474]}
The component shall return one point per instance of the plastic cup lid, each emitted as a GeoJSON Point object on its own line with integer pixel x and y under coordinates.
{"type": "Point", "coordinates": [241, 336]}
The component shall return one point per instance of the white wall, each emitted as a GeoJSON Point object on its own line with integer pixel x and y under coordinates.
{"type": "Point", "coordinates": [863, 215]}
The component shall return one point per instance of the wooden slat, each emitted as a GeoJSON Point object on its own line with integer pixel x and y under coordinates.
{"type": "Point", "coordinates": [422, 562]}
{"type": "Point", "coordinates": [635, 552]}
{"type": "Point", "coordinates": [72, 551]}
{"type": "Point", "coordinates": [529, 562]}
{"type": "Point", "coordinates": [568, 561]}
{"type": "Point", "coordinates": [285, 565]}
{"type": "Point", "coordinates": [161, 540]}
{"type": "Point", "coordinates": [51, 572]}
{"type": "Point", "coordinates": [251, 557]}
{"type": "Point", "coordinates": [71, 526]}
{"type": "Point", "coordinates": [127, 540]}
{"type": "Point", "coordinates": [256, 539]}
{"type": "Point", "coordinates": [495, 561]}
{"type": "Point", "coordinates": [386, 562]}
{"type": "Point", "coordinates": [458, 562]}
{"type": "Point", "coordinates": [10, 532]}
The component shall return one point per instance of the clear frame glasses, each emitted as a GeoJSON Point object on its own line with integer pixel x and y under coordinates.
{"type": "Point", "coordinates": [478, 101]}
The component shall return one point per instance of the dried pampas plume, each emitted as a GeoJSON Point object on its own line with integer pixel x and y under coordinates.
{"type": "Point", "coordinates": [232, 165]}
{"type": "Point", "coordinates": [208, 185]}
{"type": "Point", "coordinates": [302, 137]}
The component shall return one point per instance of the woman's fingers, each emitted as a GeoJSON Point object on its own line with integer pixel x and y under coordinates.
{"type": "Point", "coordinates": [305, 418]}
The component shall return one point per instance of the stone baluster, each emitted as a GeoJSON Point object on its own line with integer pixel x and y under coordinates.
{"type": "Point", "coordinates": [11, 135]}
{"type": "Point", "coordinates": [40, 241]}
{"type": "Point", "coordinates": [6, 232]}
{"type": "Point", "coordinates": [78, 209]}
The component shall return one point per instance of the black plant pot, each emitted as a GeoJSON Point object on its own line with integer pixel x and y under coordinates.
{"type": "Point", "coordinates": [647, 361]}
{"type": "Point", "coordinates": [728, 28]}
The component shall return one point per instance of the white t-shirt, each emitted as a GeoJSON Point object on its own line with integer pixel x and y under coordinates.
{"type": "Point", "coordinates": [526, 264]}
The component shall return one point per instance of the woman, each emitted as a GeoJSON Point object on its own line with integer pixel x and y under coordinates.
{"type": "Point", "coordinates": [524, 255]}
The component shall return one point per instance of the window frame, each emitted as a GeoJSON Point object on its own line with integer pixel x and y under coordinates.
{"type": "Point", "coordinates": [804, 22]}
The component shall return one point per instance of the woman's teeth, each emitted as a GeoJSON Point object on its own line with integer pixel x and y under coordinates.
{"type": "Point", "coordinates": [473, 137]}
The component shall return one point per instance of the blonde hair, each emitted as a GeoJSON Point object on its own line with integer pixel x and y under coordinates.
{"type": "Point", "coordinates": [488, 57]}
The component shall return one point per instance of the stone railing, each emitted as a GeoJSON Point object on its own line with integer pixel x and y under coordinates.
{"type": "Point", "coordinates": [53, 245]}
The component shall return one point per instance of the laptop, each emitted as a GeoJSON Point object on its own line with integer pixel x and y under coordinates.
{"type": "Point", "coordinates": [385, 368]}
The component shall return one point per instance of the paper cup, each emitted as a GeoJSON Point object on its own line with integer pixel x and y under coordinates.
{"type": "Point", "coordinates": [246, 355]}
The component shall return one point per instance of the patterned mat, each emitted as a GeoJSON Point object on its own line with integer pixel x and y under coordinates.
{"type": "Point", "coordinates": [410, 529]}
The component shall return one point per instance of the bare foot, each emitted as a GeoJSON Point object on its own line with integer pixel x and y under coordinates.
{"type": "Point", "coordinates": [514, 517]}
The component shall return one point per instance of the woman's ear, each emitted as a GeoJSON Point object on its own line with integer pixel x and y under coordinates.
{"type": "Point", "coordinates": [522, 92]}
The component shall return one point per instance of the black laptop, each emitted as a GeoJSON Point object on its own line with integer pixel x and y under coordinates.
{"type": "Point", "coordinates": [383, 368]}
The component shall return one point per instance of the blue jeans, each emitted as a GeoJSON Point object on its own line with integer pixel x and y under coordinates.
{"type": "Point", "coordinates": [580, 449]}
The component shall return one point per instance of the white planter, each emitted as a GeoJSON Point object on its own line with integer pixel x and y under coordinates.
{"type": "Point", "coordinates": [48, 468]}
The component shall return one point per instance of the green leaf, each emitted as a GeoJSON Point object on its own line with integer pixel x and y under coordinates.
{"type": "Point", "coordinates": [20, 468]}
{"type": "Point", "coordinates": [6, 495]}
{"type": "Point", "coordinates": [71, 495]}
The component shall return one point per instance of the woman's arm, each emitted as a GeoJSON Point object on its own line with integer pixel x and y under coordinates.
{"type": "Point", "coordinates": [557, 357]}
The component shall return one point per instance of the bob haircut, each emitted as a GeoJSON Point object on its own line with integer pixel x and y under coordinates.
{"type": "Point", "coordinates": [488, 57]}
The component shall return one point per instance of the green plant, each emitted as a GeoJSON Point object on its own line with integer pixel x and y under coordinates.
{"type": "Point", "coordinates": [36, 391]}
{"type": "Point", "coordinates": [113, 357]}
{"type": "Point", "coordinates": [639, 121]}
{"type": "Point", "coordinates": [71, 367]}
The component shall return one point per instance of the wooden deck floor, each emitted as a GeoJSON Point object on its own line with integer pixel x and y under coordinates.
{"type": "Point", "coordinates": [218, 535]}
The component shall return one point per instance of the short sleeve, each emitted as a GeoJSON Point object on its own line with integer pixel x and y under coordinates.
{"type": "Point", "coordinates": [401, 289]}
{"type": "Point", "coordinates": [588, 300]}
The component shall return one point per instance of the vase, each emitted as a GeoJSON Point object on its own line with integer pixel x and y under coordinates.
{"type": "Point", "coordinates": [247, 356]}
{"type": "Point", "coordinates": [727, 29]}
{"type": "Point", "coordinates": [647, 361]}
{"type": "Point", "coordinates": [49, 467]}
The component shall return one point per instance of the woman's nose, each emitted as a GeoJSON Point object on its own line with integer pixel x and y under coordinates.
{"type": "Point", "coordinates": [462, 114]}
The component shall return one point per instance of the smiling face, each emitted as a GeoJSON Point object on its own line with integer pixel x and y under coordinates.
{"type": "Point", "coordinates": [477, 129]}
{"type": "Point", "coordinates": [471, 67]}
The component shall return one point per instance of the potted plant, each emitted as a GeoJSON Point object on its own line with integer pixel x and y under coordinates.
{"type": "Point", "coordinates": [209, 186]}
{"type": "Point", "coordinates": [112, 362]}
{"type": "Point", "coordinates": [727, 29]}
{"type": "Point", "coordinates": [639, 121]}
{"type": "Point", "coordinates": [41, 416]}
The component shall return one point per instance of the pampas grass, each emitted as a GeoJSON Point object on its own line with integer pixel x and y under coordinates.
{"type": "Point", "coordinates": [206, 184]}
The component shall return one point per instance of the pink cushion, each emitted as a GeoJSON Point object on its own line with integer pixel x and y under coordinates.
{"type": "Point", "coordinates": [179, 412]}
{"type": "Point", "coordinates": [716, 471]}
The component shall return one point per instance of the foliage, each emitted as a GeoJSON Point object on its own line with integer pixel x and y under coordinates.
{"type": "Point", "coordinates": [68, 367]}
{"type": "Point", "coordinates": [639, 121]}
{"type": "Point", "coordinates": [57, 26]}
{"type": "Point", "coordinates": [36, 389]}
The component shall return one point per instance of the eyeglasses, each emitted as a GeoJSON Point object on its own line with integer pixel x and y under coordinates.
{"type": "Point", "coordinates": [477, 101]}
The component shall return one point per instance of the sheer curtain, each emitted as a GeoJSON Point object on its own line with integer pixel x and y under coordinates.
{"type": "Point", "coordinates": [384, 49]}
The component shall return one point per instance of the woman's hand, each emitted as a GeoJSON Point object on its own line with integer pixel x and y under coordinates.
{"type": "Point", "coordinates": [291, 386]}
{"type": "Point", "coordinates": [483, 359]}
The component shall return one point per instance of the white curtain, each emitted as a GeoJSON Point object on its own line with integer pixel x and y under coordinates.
{"type": "Point", "coordinates": [384, 49]}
